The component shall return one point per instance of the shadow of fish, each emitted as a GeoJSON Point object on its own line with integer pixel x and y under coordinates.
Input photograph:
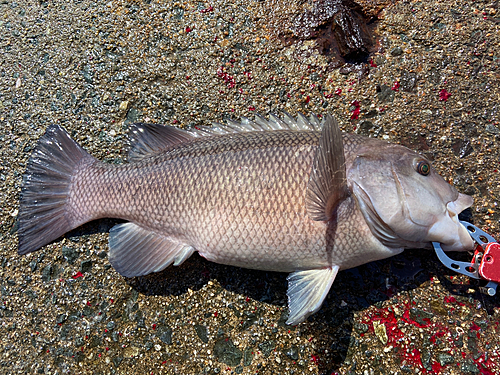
{"type": "Point", "coordinates": [288, 195]}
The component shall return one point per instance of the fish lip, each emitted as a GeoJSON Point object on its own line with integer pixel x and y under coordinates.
{"type": "Point", "coordinates": [462, 240]}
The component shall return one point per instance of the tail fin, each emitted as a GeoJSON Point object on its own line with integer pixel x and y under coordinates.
{"type": "Point", "coordinates": [43, 211]}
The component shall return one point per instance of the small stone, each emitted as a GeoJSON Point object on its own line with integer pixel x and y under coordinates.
{"type": "Point", "coordinates": [47, 273]}
{"type": "Point", "coordinates": [396, 51]}
{"type": "Point", "coordinates": [469, 367]}
{"type": "Point", "coordinates": [69, 254]}
{"type": "Point", "coordinates": [384, 93]}
{"type": "Point", "coordinates": [247, 356]}
{"type": "Point", "coordinates": [420, 316]}
{"type": "Point", "coordinates": [131, 351]}
{"type": "Point", "coordinates": [292, 353]}
{"type": "Point", "coordinates": [202, 332]}
{"type": "Point", "coordinates": [408, 81]}
{"type": "Point", "coordinates": [85, 266]}
{"type": "Point", "coordinates": [124, 105]}
{"type": "Point", "coordinates": [225, 351]}
{"type": "Point", "coordinates": [117, 361]}
{"type": "Point", "coordinates": [133, 115]}
{"type": "Point", "coordinates": [380, 331]}
{"type": "Point", "coordinates": [492, 129]}
{"type": "Point", "coordinates": [445, 359]}
{"type": "Point", "coordinates": [238, 369]}
{"type": "Point", "coordinates": [267, 347]}
{"type": "Point", "coordinates": [361, 327]}
{"type": "Point", "coordinates": [61, 318]}
{"type": "Point", "coordinates": [166, 336]}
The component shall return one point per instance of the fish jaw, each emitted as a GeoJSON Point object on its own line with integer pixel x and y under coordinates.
{"type": "Point", "coordinates": [448, 230]}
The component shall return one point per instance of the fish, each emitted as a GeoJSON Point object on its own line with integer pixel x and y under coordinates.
{"type": "Point", "coordinates": [283, 194]}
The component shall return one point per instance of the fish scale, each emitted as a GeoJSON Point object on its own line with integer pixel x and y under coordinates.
{"type": "Point", "coordinates": [294, 199]}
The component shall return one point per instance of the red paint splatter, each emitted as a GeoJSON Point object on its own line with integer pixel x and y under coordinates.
{"type": "Point", "coordinates": [315, 359]}
{"type": "Point", "coordinates": [308, 99]}
{"type": "Point", "coordinates": [356, 111]}
{"type": "Point", "coordinates": [78, 274]}
{"type": "Point", "coordinates": [188, 29]}
{"type": "Point", "coordinates": [475, 327]}
{"type": "Point", "coordinates": [153, 326]}
{"type": "Point", "coordinates": [450, 299]}
{"type": "Point", "coordinates": [338, 92]}
{"type": "Point", "coordinates": [206, 10]}
{"type": "Point", "coordinates": [436, 367]}
{"type": "Point", "coordinates": [372, 63]}
{"type": "Point", "coordinates": [444, 95]}
{"type": "Point", "coordinates": [395, 86]}
{"type": "Point", "coordinates": [228, 79]}
{"type": "Point", "coordinates": [251, 108]}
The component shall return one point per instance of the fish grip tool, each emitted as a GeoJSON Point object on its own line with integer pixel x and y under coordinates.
{"type": "Point", "coordinates": [485, 264]}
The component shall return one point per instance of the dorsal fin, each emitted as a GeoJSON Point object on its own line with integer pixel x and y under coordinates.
{"type": "Point", "coordinates": [327, 181]}
{"type": "Point", "coordinates": [259, 124]}
{"type": "Point", "coordinates": [146, 140]}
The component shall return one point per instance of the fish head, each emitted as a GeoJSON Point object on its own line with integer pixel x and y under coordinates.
{"type": "Point", "coordinates": [405, 201]}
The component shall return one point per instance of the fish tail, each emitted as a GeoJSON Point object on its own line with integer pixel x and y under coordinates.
{"type": "Point", "coordinates": [44, 211]}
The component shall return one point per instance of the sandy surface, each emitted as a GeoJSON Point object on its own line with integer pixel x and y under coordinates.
{"type": "Point", "coordinates": [94, 67]}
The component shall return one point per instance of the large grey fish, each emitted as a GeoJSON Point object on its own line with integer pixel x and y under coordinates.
{"type": "Point", "coordinates": [288, 195]}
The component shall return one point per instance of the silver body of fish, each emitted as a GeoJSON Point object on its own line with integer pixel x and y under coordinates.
{"type": "Point", "coordinates": [288, 195]}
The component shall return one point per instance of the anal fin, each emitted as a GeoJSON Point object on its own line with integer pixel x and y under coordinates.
{"type": "Point", "coordinates": [135, 251]}
{"type": "Point", "coordinates": [307, 291]}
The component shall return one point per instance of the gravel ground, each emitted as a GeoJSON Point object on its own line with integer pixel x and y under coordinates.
{"type": "Point", "coordinates": [431, 83]}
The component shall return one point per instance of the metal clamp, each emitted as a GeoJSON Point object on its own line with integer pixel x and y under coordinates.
{"type": "Point", "coordinates": [475, 269]}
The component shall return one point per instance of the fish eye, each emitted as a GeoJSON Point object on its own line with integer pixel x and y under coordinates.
{"type": "Point", "coordinates": [423, 167]}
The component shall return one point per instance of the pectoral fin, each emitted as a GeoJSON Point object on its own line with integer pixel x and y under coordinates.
{"type": "Point", "coordinates": [306, 292]}
{"type": "Point", "coordinates": [136, 251]}
{"type": "Point", "coordinates": [327, 182]}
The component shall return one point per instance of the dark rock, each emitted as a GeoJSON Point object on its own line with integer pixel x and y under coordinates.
{"type": "Point", "coordinates": [361, 327]}
{"type": "Point", "coordinates": [238, 369]}
{"type": "Point", "coordinates": [426, 359]}
{"type": "Point", "coordinates": [61, 318]}
{"type": "Point", "coordinates": [420, 316]}
{"type": "Point", "coordinates": [247, 356]}
{"type": "Point", "coordinates": [85, 266]}
{"type": "Point", "coordinates": [396, 51]}
{"type": "Point", "coordinates": [445, 359]}
{"type": "Point", "coordinates": [462, 148]}
{"type": "Point", "coordinates": [225, 351]}
{"type": "Point", "coordinates": [166, 336]}
{"type": "Point", "coordinates": [365, 127]}
{"type": "Point", "coordinates": [133, 115]}
{"type": "Point", "coordinates": [292, 353]}
{"type": "Point", "coordinates": [70, 254]}
{"type": "Point", "coordinates": [202, 332]}
{"type": "Point", "coordinates": [384, 93]}
{"type": "Point", "coordinates": [117, 361]}
{"type": "Point", "coordinates": [47, 272]}
{"type": "Point", "coordinates": [469, 367]}
{"type": "Point", "coordinates": [492, 129]}
{"type": "Point", "coordinates": [267, 347]}
{"type": "Point", "coordinates": [408, 81]}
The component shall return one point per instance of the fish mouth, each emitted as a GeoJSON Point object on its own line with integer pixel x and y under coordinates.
{"type": "Point", "coordinates": [448, 231]}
